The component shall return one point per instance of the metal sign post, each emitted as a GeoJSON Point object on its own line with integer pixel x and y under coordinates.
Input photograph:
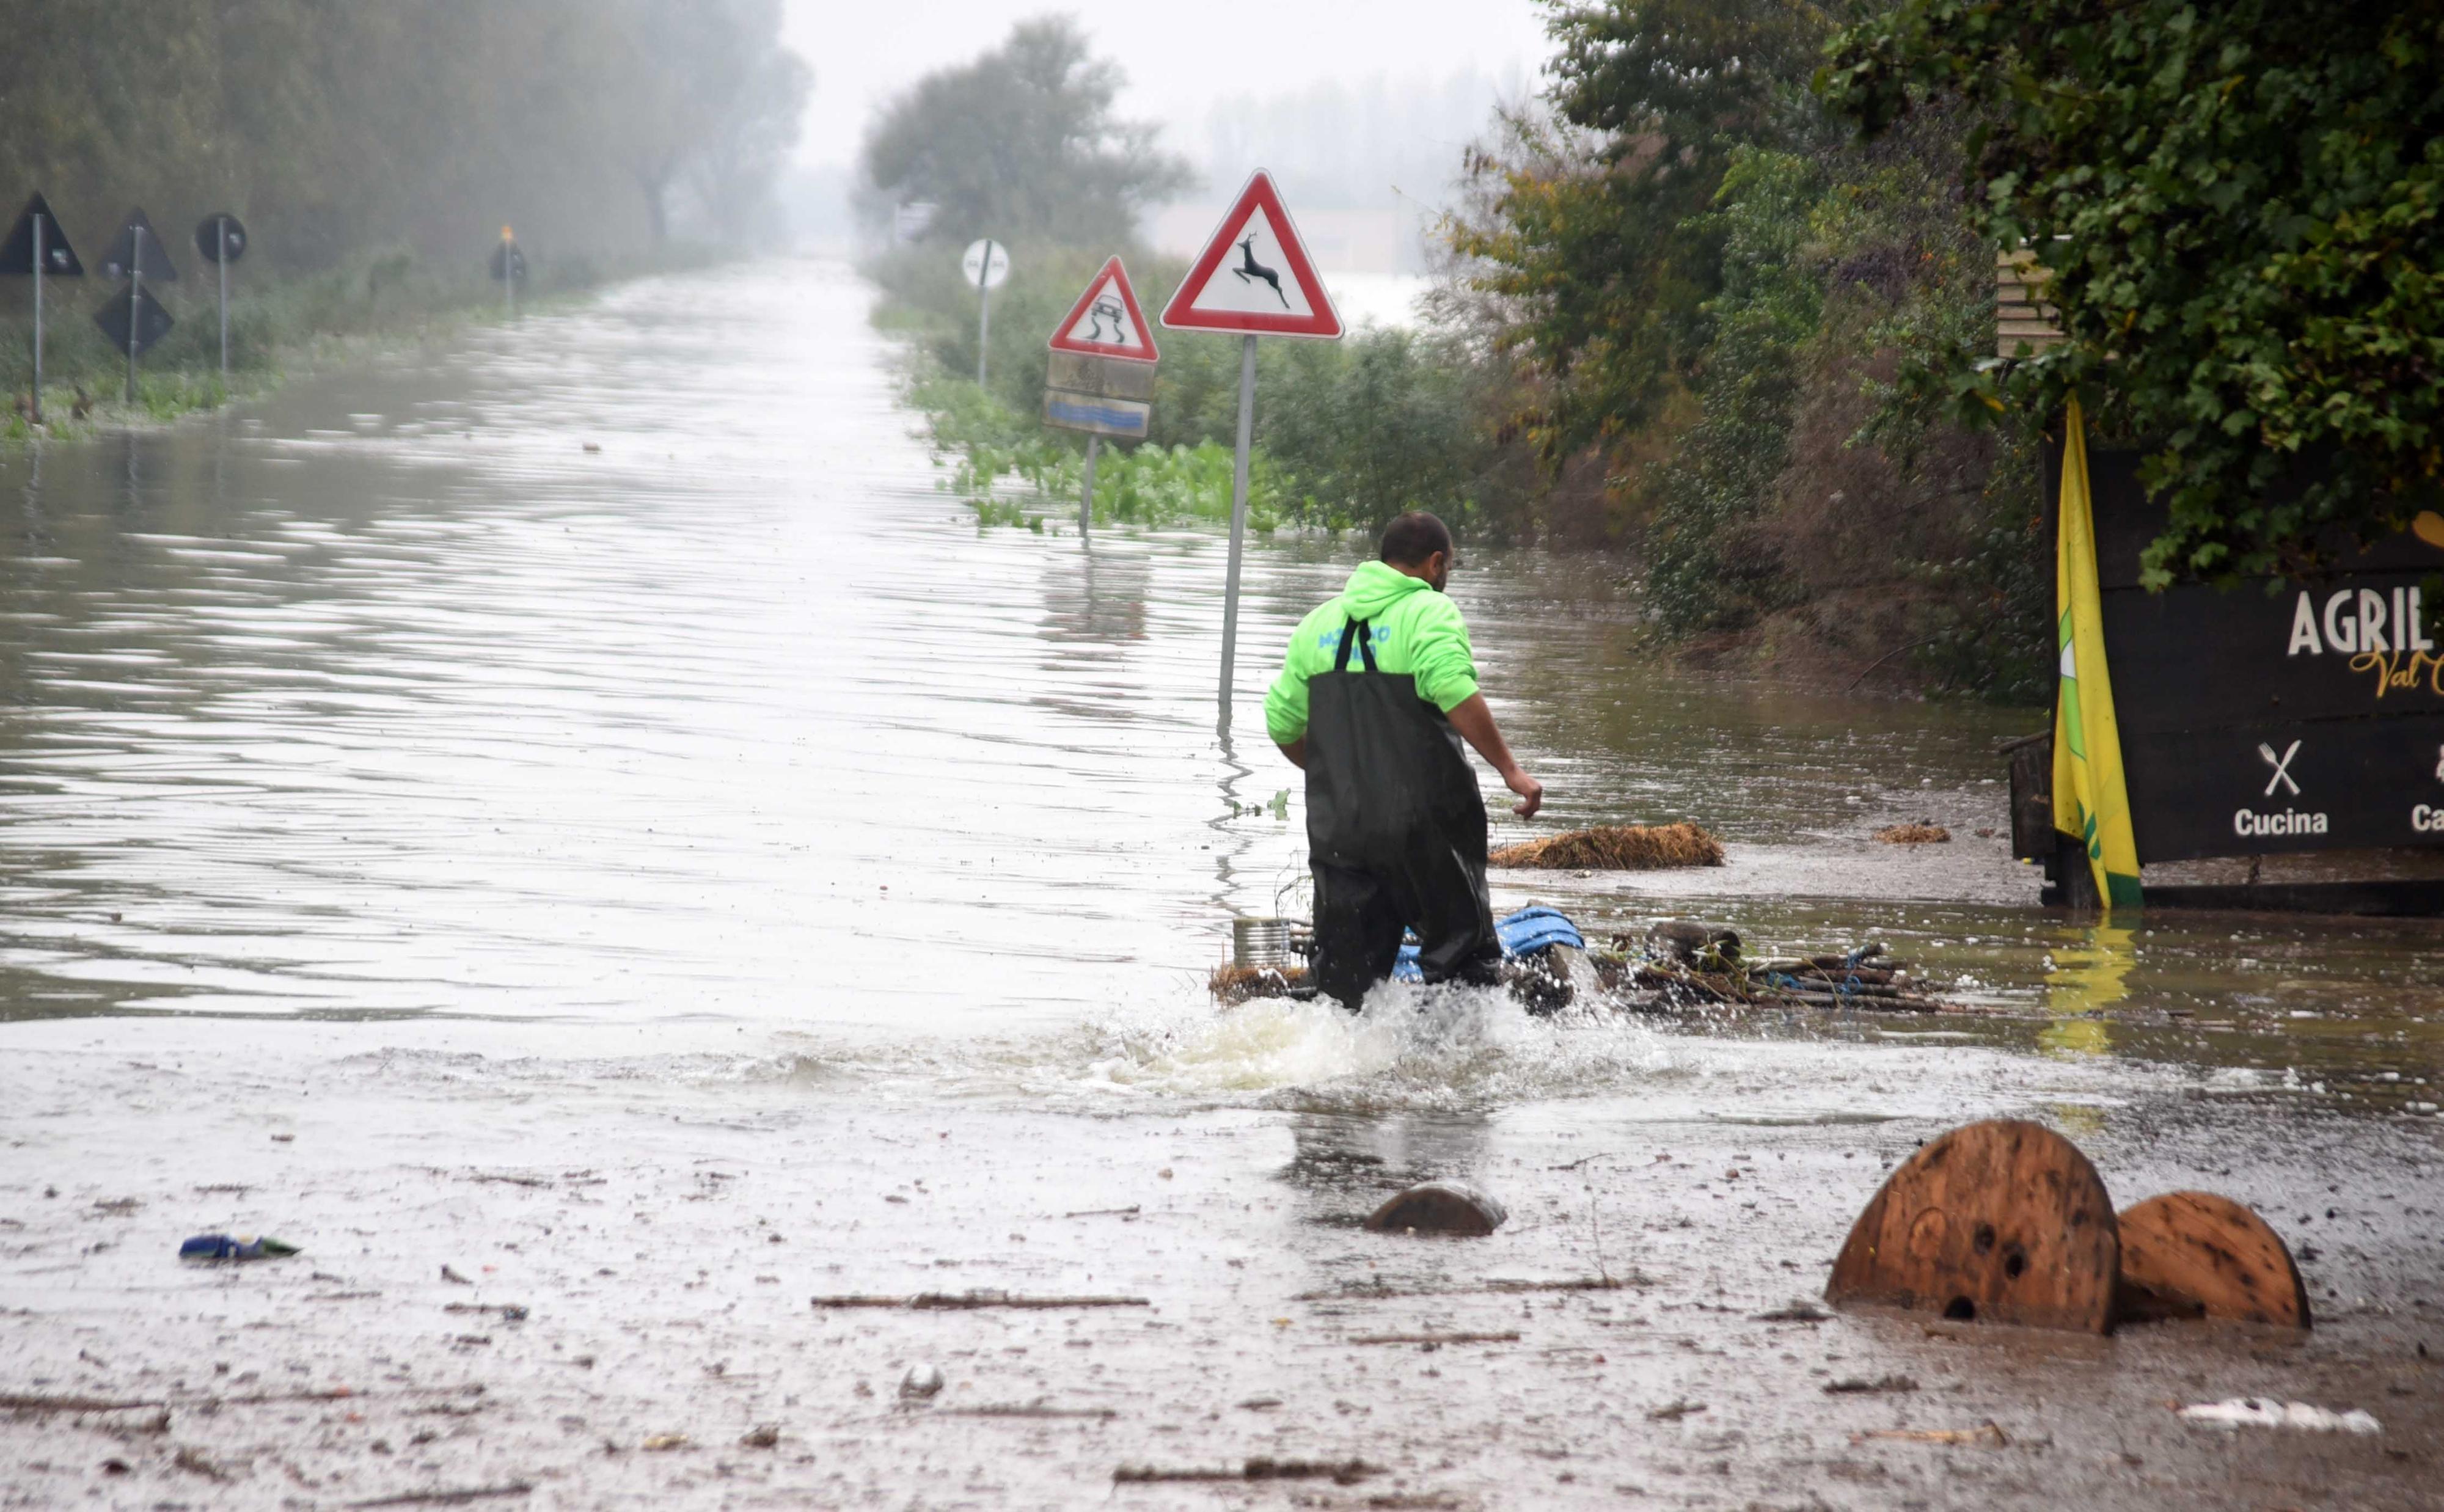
{"type": "Point", "coordinates": [1239, 517]}
{"type": "Point", "coordinates": [36, 246]}
{"type": "Point", "coordinates": [134, 306]}
{"type": "Point", "coordinates": [38, 318]}
{"type": "Point", "coordinates": [1086, 493]}
{"type": "Point", "coordinates": [1099, 377]}
{"type": "Point", "coordinates": [137, 254]}
{"type": "Point", "coordinates": [986, 263]}
{"type": "Point", "coordinates": [1254, 278]}
{"type": "Point", "coordinates": [222, 240]}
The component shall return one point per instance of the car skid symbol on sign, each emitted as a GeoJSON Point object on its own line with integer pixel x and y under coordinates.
{"type": "Point", "coordinates": [2282, 765]}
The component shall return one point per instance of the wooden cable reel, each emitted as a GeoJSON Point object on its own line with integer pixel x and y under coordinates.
{"type": "Point", "coordinates": [2193, 1254]}
{"type": "Point", "coordinates": [2002, 1221]}
{"type": "Point", "coordinates": [2006, 1222]}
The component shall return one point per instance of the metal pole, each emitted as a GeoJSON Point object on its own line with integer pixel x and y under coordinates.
{"type": "Point", "coordinates": [984, 310]}
{"type": "Point", "coordinates": [1238, 518]}
{"type": "Point", "coordinates": [1086, 495]}
{"type": "Point", "coordinates": [38, 320]}
{"type": "Point", "coordinates": [221, 227]}
{"type": "Point", "coordinates": [135, 303]}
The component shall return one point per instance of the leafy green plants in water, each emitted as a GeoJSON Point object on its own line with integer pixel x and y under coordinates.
{"type": "Point", "coordinates": [1013, 472]}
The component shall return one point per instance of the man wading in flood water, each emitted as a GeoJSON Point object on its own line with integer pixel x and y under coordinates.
{"type": "Point", "coordinates": [1374, 695]}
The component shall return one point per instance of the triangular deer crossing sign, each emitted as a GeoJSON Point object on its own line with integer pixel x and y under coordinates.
{"type": "Point", "coordinates": [1255, 276]}
{"type": "Point", "coordinates": [1106, 321]}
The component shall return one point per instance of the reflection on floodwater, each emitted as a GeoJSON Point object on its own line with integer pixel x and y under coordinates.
{"type": "Point", "coordinates": [2088, 978]}
{"type": "Point", "coordinates": [390, 697]}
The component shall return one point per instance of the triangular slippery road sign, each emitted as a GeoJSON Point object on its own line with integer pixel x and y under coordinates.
{"type": "Point", "coordinates": [17, 252]}
{"type": "Point", "coordinates": [1106, 321]}
{"type": "Point", "coordinates": [121, 258]}
{"type": "Point", "coordinates": [1255, 276]}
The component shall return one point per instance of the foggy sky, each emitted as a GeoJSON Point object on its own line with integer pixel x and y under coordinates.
{"type": "Point", "coordinates": [1180, 58]}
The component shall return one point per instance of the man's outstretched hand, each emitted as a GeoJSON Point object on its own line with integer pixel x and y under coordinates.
{"type": "Point", "coordinates": [1531, 792]}
{"type": "Point", "coordinates": [1476, 724]}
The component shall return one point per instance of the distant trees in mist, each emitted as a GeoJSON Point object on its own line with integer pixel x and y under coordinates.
{"type": "Point", "coordinates": [1021, 143]}
{"type": "Point", "coordinates": [593, 126]}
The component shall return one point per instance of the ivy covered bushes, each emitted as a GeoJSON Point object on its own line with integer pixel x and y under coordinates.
{"type": "Point", "coordinates": [2243, 206]}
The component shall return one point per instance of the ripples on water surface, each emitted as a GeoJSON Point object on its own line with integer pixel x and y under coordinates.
{"type": "Point", "coordinates": [387, 697]}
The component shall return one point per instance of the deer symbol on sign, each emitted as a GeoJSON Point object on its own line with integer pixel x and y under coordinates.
{"type": "Point", "coordinates": [1250, 269]}
{"type": "Point", "coordinates": [1106, 308]}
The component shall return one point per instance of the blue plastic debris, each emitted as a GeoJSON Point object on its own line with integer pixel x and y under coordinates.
{"type": "Point", "coordinates": [1532, 928]}
{"type": "Point", "coordinates": [224, 1246]}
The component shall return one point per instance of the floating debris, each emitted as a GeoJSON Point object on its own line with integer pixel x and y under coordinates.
{"type": "Point", "coordinates": [1918, 832]}
{"type": "Point", "coordinates": [241, 1247]}
{"type": "Point", "coordinates": [1233, 985]}
{"type": "Point", "coordinates": [2264, 1411]}
{"type": "Point", "coordinates": [921, 1384]}
{"type": "Point", "coordinates": [1339, 1472]}
{"type": "Point", "coordinates": [452, 1498]}
{"type": "Point", "coordinates": [1682, 963]}
{"type": "Point", "coordinates": [1439, 1207]}
{"type": "Point", "coordinates": [1986, 1434]}
{"type": "Point", "coordinates": [950, 1301]}
{"type": "Point", "coordinates": [1861, 1385]}
{"type": "Point", "coordinates": [1795, 1313]}
{"type": "Point", "coordinates": [1615, 848]}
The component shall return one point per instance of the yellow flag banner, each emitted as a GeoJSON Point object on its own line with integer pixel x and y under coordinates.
{"type": "Point", "coordinates": [2090, 803]}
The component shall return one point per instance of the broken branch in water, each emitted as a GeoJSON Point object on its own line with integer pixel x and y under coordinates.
{"type": "Point", "coordinates": [951, 1301]}
{"type": "Point", "coordinates": [461, 1497]}
{"type": "Point", "coordinates": [21, 1403]}
{"type": "Point", "coordinates": [1340, 1472]}
{"type": "Point", "coordinates": [72, 1404]}
{"type": "Point", "coordinates": [1026, 1409]}
{"type": "Point", "coordinates": [1983, 1433]}
{"type": "Point", "coordinates": [1370, 1291]}
{"type": "Point", "coordinates": [1431, 1341]}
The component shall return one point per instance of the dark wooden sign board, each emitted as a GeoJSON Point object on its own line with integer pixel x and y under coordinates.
{"type": "Point", "coordinates": [2264, 720]}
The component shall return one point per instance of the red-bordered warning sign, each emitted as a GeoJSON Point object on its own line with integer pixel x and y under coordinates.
{"type": "Point", "coordinates": [1106, 321]}
{"type": "Point", "coordinates": [1255, 275]}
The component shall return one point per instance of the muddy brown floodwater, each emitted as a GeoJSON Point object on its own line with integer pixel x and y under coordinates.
{"type": "Point", "coordinates": [576, 811]}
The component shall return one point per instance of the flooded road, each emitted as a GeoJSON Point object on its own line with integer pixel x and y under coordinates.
{"type": "Point", "coordinates": [578, 805]}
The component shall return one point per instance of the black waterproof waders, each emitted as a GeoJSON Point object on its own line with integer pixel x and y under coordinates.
{"type": "Point", "coordinates": [1395, 832]}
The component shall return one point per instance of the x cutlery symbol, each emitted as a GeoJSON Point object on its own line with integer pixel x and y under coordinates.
{"type": "Point", "coordinates": [2281, 764]}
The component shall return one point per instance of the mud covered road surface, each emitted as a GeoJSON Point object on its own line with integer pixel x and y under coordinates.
{"type": "Point", "coordinates": [598, 903]}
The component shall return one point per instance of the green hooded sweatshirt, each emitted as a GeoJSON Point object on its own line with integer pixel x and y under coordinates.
{"type": "Point", "coordinates": [1414, 630]}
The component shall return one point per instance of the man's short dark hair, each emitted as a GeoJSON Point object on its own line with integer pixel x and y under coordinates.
{"type": "Point", "coordinates": [1410, 538]}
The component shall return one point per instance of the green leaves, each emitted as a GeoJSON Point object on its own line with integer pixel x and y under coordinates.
{"type": "Point", "coordinates": [2240, 204]}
